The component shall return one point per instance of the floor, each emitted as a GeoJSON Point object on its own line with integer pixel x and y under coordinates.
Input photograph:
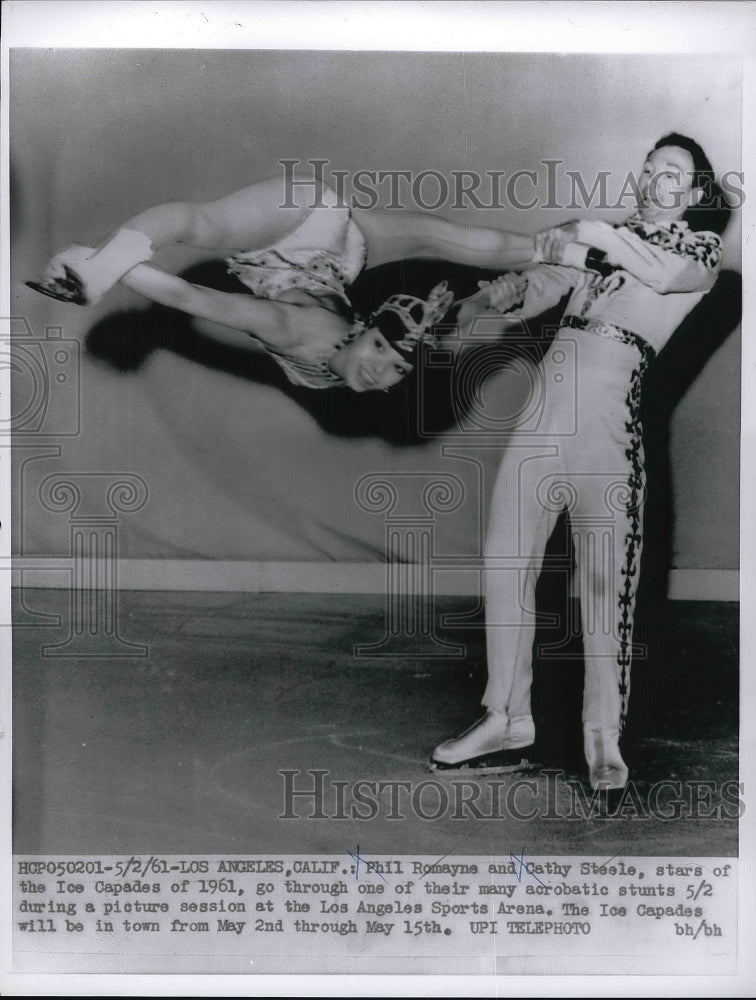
{"type": "Point", "coordinates": [181, 750]}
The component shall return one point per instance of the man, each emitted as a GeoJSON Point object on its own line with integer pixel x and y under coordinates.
{"type": "Point", "coordinates": [587, 456]}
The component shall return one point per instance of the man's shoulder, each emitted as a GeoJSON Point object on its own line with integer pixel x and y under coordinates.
{"type": "Point", "coordinates": [679, 238]}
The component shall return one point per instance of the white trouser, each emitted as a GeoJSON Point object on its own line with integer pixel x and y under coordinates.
{"type": "Point", "coordinates": [586, 456]}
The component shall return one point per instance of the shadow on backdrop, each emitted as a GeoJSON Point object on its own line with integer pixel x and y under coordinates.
{"type": "Point", "coordinates": [678, 365]}
{"type": "Point", "coordinates": [125, 340]}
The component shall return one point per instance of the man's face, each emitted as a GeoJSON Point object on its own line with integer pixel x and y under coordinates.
{"type": "Point", "coordinates": [370, 362]}
{"type": "Point", "coordinates": [666, 185]}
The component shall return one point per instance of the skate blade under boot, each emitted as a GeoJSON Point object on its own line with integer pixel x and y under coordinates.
{"type": "Point", "coordinates": [496, 762]}
{"type": "Point", "coordinates": [68, 289]}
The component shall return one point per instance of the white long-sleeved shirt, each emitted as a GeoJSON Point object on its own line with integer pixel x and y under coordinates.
{"type": "Point", "coordinates": [663, 271]}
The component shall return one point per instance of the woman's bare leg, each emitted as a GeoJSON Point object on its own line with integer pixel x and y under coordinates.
{"type": "Point", "coordinates": [252, 217]}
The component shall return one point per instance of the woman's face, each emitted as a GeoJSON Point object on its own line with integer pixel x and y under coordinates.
{"type": "Point", "coordinates": [370, 362]}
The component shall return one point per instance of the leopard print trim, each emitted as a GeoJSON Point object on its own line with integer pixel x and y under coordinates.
{"type": "Point", "coordinates": [634, 536]}
{"type": "Point", "coordinates": [678, 237]}
{"type": "Point", "coordinates": [603, 329]}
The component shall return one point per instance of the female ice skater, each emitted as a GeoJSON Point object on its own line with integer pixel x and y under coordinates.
{"type": "Point", "coordinates": [309, 255]}
{"type": "Point", "coordinates": [587, 457]}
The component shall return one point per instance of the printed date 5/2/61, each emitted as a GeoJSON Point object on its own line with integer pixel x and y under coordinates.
{"type": "Point", "coordinates": [159, 866]}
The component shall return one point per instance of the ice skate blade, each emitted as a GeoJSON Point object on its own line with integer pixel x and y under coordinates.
{"type": "Point", "coordinates": [68, 289]}
{"type": "Point", "coordinates": [498, 762]}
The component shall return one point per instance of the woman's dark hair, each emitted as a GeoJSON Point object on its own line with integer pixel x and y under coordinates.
{"type": "Point", "coordinates": [703, 171]}
{"type": "Point", "coordinates": [390, 325]}
{"type": "Point", "coordinates": [713, 209]}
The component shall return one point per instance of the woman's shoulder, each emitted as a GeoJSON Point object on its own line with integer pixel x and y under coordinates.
{"type": "Point", "coordinates": [316, 331]}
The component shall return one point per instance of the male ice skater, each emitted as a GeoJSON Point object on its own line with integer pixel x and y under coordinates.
{"type": "Point", "coordinates": [587, 457]}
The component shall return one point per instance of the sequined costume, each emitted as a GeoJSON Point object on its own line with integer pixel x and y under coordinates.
{"type": "Point", "coordinates": [323, 255]}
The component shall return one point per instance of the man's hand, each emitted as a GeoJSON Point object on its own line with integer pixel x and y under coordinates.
{"type": "Point", "coordinates": [550, 243]}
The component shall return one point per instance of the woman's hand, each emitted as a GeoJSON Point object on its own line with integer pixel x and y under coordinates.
{"type": "Point", "coordinates": [61, 278]}
{"type": "Point", "coordinates": [504, 293]}
{"type": "Point", "coordinates": [81, 274]}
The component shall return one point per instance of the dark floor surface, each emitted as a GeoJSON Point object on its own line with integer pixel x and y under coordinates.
{"type": "Point", "coordinates": [180, 751]}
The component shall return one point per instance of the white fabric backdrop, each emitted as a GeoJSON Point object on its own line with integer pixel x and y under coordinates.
{"type": "Point", "coordinates": [236, 469]}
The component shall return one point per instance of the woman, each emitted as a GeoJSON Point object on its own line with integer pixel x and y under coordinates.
{"type": "Point", "coordinates": [299, 309]}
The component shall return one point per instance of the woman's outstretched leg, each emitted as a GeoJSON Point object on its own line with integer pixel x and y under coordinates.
{"type": "Point", "coordinates": [254, 216]}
